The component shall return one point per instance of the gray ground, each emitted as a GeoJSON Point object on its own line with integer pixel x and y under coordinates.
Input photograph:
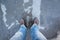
{"type": "Point", "coordinates": [49, 18]}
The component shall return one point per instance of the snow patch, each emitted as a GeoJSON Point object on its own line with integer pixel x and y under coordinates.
{"type": "Point", "coordinates": [3, 8]}
{"type": "Point", "coordinates": [25, 1]}
{"type": "Point", "coordinates": [36, 9]}
{"type": "Point", "coordinates": [28, 9]}
{"type": "Point", "coordinates": [11, 25]}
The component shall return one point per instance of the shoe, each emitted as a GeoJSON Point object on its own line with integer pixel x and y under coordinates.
{"type": "Point", "coordinates": [21, 21]}
{"type": "Point", "coordinates": [36, 21]}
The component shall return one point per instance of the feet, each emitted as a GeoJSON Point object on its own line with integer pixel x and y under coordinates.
{"type": "Point", "coordinates": [21, 21]}
{"type": "Point", "coordinates": [36, 21]}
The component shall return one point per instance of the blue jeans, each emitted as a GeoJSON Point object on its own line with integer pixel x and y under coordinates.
{"type": "Point", "coordinates": [34, 32]}
{"type": "Point", "coordinates": [21, 34]}
{"type": "Point", "coordinates": [23, 30]}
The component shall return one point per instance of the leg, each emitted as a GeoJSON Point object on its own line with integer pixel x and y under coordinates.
{"type": "Point", "coordinates": [23, 31]}
{"type": "Point", "coordinates": [21, 34]}
{"type": "Point", "coordinates": [35, 33]}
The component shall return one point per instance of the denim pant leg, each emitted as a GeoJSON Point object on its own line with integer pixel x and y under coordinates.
{"type": "Point", "coordinates": [36, 34]}
{"type": "Point", "coordinates": [23, 30]}
{"type": "Point", "coordinates": [21, 34]}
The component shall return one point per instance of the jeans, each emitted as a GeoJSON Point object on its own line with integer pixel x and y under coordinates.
{"type": "Point", "coordinates": [21, 34]}
{"type": "Point", "coordinates": [34, 33]}
{"type": "Point", "coordinates": [23, 30]}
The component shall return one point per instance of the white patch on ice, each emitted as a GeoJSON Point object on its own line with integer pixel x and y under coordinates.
{"type": "Point", "coordinates": [42, 28]}
{"type": "Point", "coordinates": [11, 25]}
{"type": "Point", "coordinates": [28, 9]}
{"type": "Point", "coordinates": [25, 1]}
{"type": "Point", "coordinates": [17, 36]}
{"type": "Point", "coordinates": [36, 9]}
{"type": "Point", "coordinates": [17, 22]}
{"type": "Point", "coordinates": [58, 37]}
{"type": "Point", "coordinates": [3, 8]}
